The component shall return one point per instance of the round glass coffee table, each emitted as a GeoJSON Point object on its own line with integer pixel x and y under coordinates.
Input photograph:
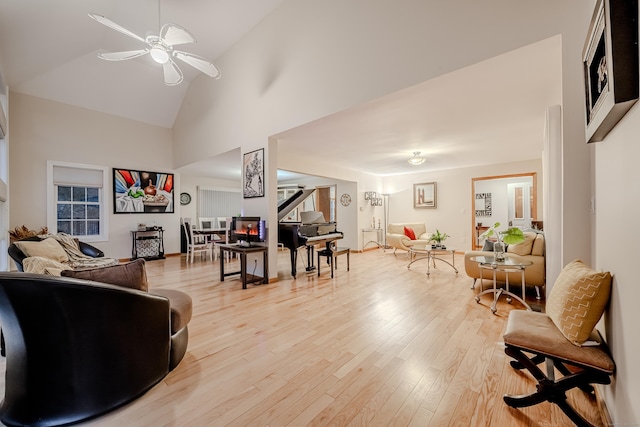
{"type": "Point", "coordinates": [420, 252]}
{"type": "Point", "coordinates": [510, 264]}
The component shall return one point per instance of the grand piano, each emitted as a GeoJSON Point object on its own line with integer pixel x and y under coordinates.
{"type": "Point", "coordinates": [309, 232]}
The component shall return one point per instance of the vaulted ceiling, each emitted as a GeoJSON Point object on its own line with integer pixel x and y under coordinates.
{"type": "Point", "coordinates": [490, 112]}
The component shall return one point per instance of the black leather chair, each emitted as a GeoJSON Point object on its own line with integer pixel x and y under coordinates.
{"type": "Point", "coordinates": [18, 256]}
{"type": "Point", "coordinates": [76, 349]}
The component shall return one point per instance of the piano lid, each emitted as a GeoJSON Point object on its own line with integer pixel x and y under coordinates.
{"type": "Point", "coordinates": [286, 206]}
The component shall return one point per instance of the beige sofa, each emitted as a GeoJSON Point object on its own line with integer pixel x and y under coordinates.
{"type": "Point", "coordinates": [398, 240]}
{"type": "Point", "coordinates": [532, 249]}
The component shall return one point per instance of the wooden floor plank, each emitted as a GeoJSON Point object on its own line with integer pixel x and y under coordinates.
{"type": "Point", "coordinates": [378, 345]}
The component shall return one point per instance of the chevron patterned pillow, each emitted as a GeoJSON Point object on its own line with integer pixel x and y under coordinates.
{"type": "Point", "coordinates": [577, 300]}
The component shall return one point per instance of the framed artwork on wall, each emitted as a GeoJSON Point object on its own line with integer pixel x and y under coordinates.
{"type": "Point", "coordinates": [610, 62]}
{"type": "Point", "coordinates": [369, 195]}
{"type": "Point", "coordinates": [483, 204]}
{"type": "Point", "coordinates": [137, 191]}
{"type": "Point", "coordinates": [253, 174]}
{"type": "Point", "coordinates": [424, 195]}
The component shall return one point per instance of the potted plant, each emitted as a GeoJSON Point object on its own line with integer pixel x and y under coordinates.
{"type": "Point", "coordinates": [510, 236]}
{"type": "Point", "coordinates": [439, 239]}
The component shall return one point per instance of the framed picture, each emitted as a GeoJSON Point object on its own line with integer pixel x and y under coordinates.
{"type": "Point", "coordinates": [253, 174]}
{"type": "Point", "coordinates": [376, 201]}
{"type": "Point", "coordinates": [424, 195]}
{"type": "Point", "coordinates": [137, 191]}
{"type": "Point", "coordinates": [369, 195]}
{"type": "Point", "coordinates": [483, 204]}
{"type": "Point", "coordinates": [610, 62]}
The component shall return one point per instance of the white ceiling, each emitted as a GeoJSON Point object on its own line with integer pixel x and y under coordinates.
{"type": "Point", "coordinates": [488, 113]}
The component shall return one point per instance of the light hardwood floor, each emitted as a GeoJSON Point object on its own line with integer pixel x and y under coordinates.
{"type": "Point", "coordinates": [379, 345]}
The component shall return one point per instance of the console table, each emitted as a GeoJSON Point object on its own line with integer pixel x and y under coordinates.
{"type": "Point", "coordinates": [378, 240]}
{"type": "Point", "coordinates": [147, 244]}
{"type": "Point", "coordinates": [242, 251]}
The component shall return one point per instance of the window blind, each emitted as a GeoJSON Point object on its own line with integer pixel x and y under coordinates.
{"type": "Point", "coordinates": [69, 175]}
{"type": "Point", "coordinates": [218, 202]}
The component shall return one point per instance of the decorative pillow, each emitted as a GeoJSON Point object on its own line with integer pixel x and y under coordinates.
{"type": "Point", "coordinates": [577, 300]}
{"type": "Point", "coordinates": [129, 275]}
{"type": "Point", "coordinates": [523, 248]}
{"type": "Point", "coordinates": [41, 265]}
{"type": "Point", "coordinates": [410, 233]}
{"type": "Point", "coordinates": [538, 245]}
{"type": "Point", "coordinates": [488, 246]}
{"type": "Point", "coordinates": [47, 248]}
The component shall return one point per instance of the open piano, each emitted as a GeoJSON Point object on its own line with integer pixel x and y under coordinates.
{"type": "Point", "coordinates": [307, 233]}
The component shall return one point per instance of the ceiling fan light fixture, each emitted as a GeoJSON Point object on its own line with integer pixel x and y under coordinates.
{"type": "Point", "coordinates": [161, 49]}
{"type": "Point", "coordinates": [416, 159]}
{"type": "Point", "coordinates": [159, 55]}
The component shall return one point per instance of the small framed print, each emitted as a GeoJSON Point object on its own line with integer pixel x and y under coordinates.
{"type": "Point", "coordinates": [253, 174]}
{"type": "Point", "coordinates": [425, 196]}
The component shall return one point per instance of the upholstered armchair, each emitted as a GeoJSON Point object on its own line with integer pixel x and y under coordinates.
{"type": "Point", "coordinates": [77, 348]}
{"type": "Point", "coordinates": [397, 239]}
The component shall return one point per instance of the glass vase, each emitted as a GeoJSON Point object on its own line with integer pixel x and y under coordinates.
{"type": "Point", "coordinates": [499, 249]}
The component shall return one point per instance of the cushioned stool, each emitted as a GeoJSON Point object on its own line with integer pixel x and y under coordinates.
{"type": "Point", "coordinates": [332, 254]}
{"type": "Point", "coordinates": [535, 333]}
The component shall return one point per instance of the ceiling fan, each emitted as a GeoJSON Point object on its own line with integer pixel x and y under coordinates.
{"type": "Point", "coordinates": [161, 49]}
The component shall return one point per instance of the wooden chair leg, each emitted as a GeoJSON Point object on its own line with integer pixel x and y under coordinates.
{"type": "Point", "coordinates": [550, 390]}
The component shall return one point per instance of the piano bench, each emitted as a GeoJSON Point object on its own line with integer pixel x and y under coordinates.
{"type": "Point", "coordinates": [332, 257]}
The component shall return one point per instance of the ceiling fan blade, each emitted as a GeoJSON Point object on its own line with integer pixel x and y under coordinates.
{"type": "Point", "coordinates": [173, 34]}
{"type": "Point", "coordinates": [109, 23]}
{"type": "Point", "coordinates": [121, 56]}
{"type": "Point", "coordinates": [172, 74]}
{"type": "Point", "coordinates": [199, 63]}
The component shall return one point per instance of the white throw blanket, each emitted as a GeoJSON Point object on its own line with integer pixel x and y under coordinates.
{"type": "Point", "coordinates": [77, 259]}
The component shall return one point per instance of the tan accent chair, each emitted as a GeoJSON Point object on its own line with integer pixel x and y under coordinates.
{"type": "Point", "coordinates": [532, 249]}
{"type": "Point", "coordinates": [398, 240]}
{"type": "Point", "coordinates": [559, 337]}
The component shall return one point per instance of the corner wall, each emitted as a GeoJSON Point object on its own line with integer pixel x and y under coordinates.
{"type": "Point", "coordinates": [43, 130]}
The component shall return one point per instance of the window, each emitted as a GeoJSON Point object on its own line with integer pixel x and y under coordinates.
{"type": "Point", "coordinates": [77, 205]}
{"type": "Point", "coordinates": [214, 203]}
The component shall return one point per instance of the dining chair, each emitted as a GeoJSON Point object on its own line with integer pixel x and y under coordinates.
{"type": "Point", "coordinates": [207, 223]}
{"type": "Point", "coordinates": [194, 246]}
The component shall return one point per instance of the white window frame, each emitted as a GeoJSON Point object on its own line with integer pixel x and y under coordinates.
{"type": "Point", "coordinates": [52, 220]}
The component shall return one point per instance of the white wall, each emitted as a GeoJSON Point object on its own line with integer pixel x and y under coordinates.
{"type": "Point", "coordinates": [43, 130]}
{"type": "Point", "coordinates": [290, 70]}
{"type": "Point", "coordinates": [454, 214]}
{"type": "Point", "coordinates": [617, 203]}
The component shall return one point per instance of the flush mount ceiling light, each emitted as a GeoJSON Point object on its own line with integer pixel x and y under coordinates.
{"type": "Point", "coordinates": [416, 159]}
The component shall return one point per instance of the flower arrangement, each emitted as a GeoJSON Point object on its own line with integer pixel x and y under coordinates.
{"type": "Point", "coordinates": [439, 238]}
